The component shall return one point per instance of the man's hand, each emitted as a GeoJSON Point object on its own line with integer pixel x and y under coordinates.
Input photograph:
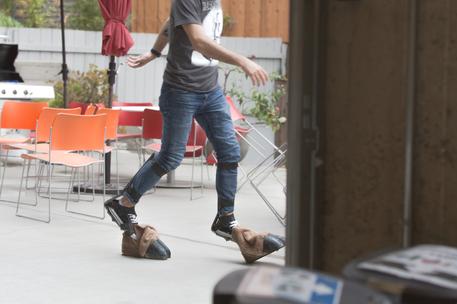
{"type": "Point", "coordinates": [140, 60]}
{"type": "Point", "coordinates": [254, 71]}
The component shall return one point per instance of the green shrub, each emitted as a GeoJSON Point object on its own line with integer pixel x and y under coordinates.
{"type": "Point", "coordinates": [7, 21]}
{"type": "Point", "coordinates": [265, 106]}
{"type": "Point", "coordinates": [85, 15]}
{"type": "Point", "coordinates": [86, 87]}
{"type": "Point", "coordinates": [35, 13]}
{"type": "Point", "coordinates": [6, 6]}
{"type": "Point", "coordinates": [32, 13]}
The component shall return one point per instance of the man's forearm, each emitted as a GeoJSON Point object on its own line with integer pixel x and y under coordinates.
{"type": "Point", "coordinates": [211, 49]}
{"type": "Point", "coordinates": [162, 39]}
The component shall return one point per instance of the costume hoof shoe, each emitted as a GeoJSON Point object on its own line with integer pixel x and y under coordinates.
{"type": "Point", "coordinates": [272, 243]}
{"type": "Point", "coordinates": [167, 250]}
{"type": "Point", "coordinates": [156, 251]}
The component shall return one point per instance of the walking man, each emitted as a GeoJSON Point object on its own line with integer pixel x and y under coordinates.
{"type": "Point", "coordinates": [190, 90]}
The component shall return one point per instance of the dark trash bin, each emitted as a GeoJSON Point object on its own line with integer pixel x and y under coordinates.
{"type": "Point", "coordinates": [425, 274]}
{"type": "Point", "coordinates": [283, 285]}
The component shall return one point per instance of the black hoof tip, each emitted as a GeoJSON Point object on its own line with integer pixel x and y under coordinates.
{"type": "Point", "coordinates": [273, 243]}
{"type": "Point", "coordinates": [157, 251]}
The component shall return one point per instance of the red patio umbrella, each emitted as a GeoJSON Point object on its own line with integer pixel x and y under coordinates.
{"type": "Point", "coordinates": [116, 38]}
{"type": "Point", "coordinates": [116, 42]}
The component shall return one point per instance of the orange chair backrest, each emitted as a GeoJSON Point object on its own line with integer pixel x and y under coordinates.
{"type": "Point", "coordinates": [46, 119]}
{"type": "Point", "coordinates": [112, 122]}
{"type": "Point", "coordinates": [78, 132]}
{"type": "Point", "coordinates": [21, 114]}
{"type": "Point", "coordinates": [90, 110]}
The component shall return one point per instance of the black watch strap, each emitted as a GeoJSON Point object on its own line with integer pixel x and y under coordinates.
{"type": "Point", "coordinates": [156, 52]}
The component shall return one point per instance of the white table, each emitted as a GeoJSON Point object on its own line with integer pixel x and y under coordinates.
{"type": "Point", "coordinates": [136, 108]}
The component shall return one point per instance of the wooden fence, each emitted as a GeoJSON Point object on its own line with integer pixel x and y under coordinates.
{"type": "Point", "coordinates": [243, 18]}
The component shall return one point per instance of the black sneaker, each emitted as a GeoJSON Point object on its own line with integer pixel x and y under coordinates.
{"type": "Point", "coordinates": [223, 226]}
{"type": "Point", "coordinates": [124, 217]}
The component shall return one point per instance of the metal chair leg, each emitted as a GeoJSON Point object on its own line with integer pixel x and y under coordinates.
{"type": "Point", "coordinates": [4, 170]}
{"type": "Point", "coordinates": [48, 220]}
{"type": "Point", "coordinates": [67, 206]}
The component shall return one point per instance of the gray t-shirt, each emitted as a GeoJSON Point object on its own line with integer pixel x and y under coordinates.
{"type": "Point", "coordinates": [188, 69]}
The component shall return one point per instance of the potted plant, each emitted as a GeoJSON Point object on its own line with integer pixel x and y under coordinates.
{"type": "Point", "coordinates": [267, 106]}
{"type": "Point", "coordinates": [83, 88]}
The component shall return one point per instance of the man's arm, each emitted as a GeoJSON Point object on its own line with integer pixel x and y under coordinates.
{"type": "Point", "coordinates": [160, 43]}
{"type": "Point", "coordinates": [205, 45]}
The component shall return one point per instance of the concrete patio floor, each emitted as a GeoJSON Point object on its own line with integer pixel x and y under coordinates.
{"type": "Point", "coordinates": [77, 260]}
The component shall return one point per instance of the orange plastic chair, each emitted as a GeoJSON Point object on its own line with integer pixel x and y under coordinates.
{"type": "Point", "coordinates": [83, 133]}
{"type": "Point", "coordinates": [112, 121]}
{"type": "Point", "coordinates": [41, 145]}
{"type": "Point", "coordinates": [46, 120]}
{"type": "Point", "coordinates": [78, 132]}
{"type": "Point", "coordinates": [21, 115]}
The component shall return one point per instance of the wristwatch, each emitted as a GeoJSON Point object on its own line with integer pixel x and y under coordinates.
{"type": "Point", "coordinates": [156, 52]}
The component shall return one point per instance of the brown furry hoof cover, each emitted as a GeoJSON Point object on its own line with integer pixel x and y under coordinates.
{"type": "Point", "coordinates": [146, 244]}
{"type": "Point", "coordinates": [254, 246]}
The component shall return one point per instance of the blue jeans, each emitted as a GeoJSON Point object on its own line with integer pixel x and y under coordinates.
{"type": "Point", "coordinates": [178, 108]}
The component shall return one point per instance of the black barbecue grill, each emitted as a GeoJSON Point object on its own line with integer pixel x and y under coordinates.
{"type": "Point", "coordinates": [12, 85]}
{"type": "Point", "coordinates": [8, 54]}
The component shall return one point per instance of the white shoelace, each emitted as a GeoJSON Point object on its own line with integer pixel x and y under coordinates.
{"type": "Point", "coordinates": [133, 218]}
{"type": "Point", "coordinates": [233, 224]}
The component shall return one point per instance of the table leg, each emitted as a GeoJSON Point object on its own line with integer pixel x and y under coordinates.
{"type": "Point", "coordinates": [108, 168]}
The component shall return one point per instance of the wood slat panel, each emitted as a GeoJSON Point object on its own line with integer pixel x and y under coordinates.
{"type": "Point", "coordinates": [151, 14]}
{"type": "Point", "coordinates": [269, 17]}
{"type": "Point", "coordinates": [228, 19]}
{"type": "Point", "coordinates": [164, 11]}
{"type": "Point", "coordinates": [139, 16]}
{"type": "Point", "coordinates": [283, 18]}
{"type": "Point", "coordinates": [253, 23]}
{"type": "Point", "coordinates": [238, 14]}
{"type": "Point", "coordinates": [251, 18]}
{"type": "Point", "coordinates": [134, 15]}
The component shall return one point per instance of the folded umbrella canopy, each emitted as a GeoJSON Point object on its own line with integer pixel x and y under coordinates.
{"type": "Point", "coordinates": [116, 38]}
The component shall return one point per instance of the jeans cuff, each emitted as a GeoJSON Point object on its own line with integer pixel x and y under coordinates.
{"type": "Point", "coordinates": [132, 195]}
{"type": "Point", "coordinates": [225, 206]}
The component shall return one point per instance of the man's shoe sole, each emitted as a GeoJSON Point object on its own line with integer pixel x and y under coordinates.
{"type": "Point", "coordinates": [223, 235]}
